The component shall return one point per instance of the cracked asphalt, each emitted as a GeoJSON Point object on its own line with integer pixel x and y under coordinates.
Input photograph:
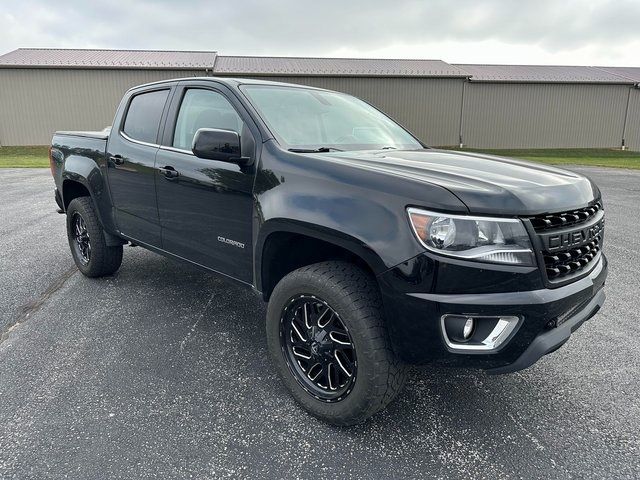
{"type": "Point", "coordinates": [161, 371]}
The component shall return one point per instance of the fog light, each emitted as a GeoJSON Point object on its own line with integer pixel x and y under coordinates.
{"type": "Point", "coordinates": [459, 328]}
{"type": "Point", "coordinates": [468, 328]}
{"type": "Point", "coordinates": [477, 333]}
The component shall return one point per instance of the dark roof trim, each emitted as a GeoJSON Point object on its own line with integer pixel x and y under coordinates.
{"type": "Point", "coordinates": [348, 67]}
{"type": "Point", "coordinates": [628, 73]}
{"type": "Point", "coordinates": [257, 66]}
{"type": "Point", "coordinates": [540, 74]}
{"type": "Point", "coordinates": [111, 59]}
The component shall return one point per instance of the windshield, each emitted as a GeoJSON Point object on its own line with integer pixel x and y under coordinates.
{"type": "Point", "coordinates": [309, 119]}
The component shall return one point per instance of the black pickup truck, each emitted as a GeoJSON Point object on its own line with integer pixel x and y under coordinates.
{"type": "Point", "coordinates": [373, 250]}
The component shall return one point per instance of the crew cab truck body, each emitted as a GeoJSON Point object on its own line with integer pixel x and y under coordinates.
{"type": "Point", "coordinates": [373, 250]}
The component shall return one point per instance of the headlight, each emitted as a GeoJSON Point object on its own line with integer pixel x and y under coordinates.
{"type": "Point", "coordinates": [484, 239]}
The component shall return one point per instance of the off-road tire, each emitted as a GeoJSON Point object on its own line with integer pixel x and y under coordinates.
{"type": "Point", "coordinates": [104, 260]}
{"type": "Point", "coordinates": [353, 294]}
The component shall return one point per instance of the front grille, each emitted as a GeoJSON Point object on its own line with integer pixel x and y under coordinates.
{"type": "Point", "coordinates": [569, 241]}
{"type": "Point", "coordinates": [573, 260]}
{"type": "Point", "coordinates": [565, 219]}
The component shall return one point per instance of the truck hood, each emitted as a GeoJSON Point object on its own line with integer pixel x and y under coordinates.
{"type": "Point", "coordinates": [484, 183]}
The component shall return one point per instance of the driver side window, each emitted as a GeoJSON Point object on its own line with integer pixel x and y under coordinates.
{"type": "Point", "coordinates": [203, 109]}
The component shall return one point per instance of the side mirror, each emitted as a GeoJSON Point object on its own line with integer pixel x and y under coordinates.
{"type": "Point", "coordinates": [217, 144]}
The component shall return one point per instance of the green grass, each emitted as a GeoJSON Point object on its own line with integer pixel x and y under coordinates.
{"type": "Point", "coordinates": [589, 157]}
{"type": "Point", "coordinates": [30, 157]}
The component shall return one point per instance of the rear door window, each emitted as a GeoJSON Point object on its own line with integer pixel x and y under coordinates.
{"type": "Point", "coordinates": [143, 117]}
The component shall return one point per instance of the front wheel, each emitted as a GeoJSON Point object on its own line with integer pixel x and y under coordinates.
{"type": "Point", "coordinates": [327, 338]}
{"type": "Point", "coordinates": [90, 252]}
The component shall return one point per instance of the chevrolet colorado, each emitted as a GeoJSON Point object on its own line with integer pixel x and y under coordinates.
{"type": "Point", "coordinates": [374, 251]}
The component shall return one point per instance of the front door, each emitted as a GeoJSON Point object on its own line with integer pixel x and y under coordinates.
{"type": "Point", "coordinates": [205, 206]}
{"type": "Point", "coordinates": [133, 146]}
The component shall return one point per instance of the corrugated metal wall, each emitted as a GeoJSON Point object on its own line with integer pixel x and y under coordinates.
{"type": "Point", "coordinates": [632, 136]}
{"type": "Point", "coordinates": [429, 107]}
{"type": "Point", "coordinates": [36, 102]}
{"type": "Point", "coordinates": [501, 115]}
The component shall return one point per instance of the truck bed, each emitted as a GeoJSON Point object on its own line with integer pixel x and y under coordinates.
{"type": "Point", "coordinates": [77, 152]}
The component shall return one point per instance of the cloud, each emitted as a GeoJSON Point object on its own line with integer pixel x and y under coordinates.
{"type": "Point", "coordinates": [542, 31]}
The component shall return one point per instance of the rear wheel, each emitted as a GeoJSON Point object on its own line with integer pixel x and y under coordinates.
{"type": "Point", "coordinates": [86, 239]}
{"type": "Point", "coordinates": [328, 341]}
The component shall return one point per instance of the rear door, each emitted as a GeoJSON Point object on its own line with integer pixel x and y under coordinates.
{"type": "Point", "coordinates": [205, 206]}
{"type": "Point", "coordinates": [132, 149]}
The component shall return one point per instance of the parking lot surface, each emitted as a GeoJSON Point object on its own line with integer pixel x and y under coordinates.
{"type": "Point", "coordinates": [161, 371]}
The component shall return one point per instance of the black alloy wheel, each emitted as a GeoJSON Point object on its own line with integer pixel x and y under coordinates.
{"type": "Point", "coordinates": [81, 238]}
{"type": "Point", "coordinates": [318, 348]}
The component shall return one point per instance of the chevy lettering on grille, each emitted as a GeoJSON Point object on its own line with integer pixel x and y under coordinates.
{"type": "Point", "coordinates": [569, 241]}
{"type": "Point", "coordinates": [553, 242]}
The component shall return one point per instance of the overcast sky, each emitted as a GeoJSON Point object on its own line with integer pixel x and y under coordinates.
{"type": "Point", "coordinates": [573, 32]}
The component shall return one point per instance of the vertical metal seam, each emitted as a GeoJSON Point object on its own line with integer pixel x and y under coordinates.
{"type": "Point", "coordinates": [626, 117]}
{"type": "Point", "coordinates": [461, 124]}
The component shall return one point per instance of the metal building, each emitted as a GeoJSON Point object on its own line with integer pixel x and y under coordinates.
{"type": "Point", "coordinates": [632, 116]}
{"type": "Point", "coordinates": [510, 106]}
{"type": "Point", "coordinates": [486, 106]}
{"type": "Point", "coordinates": [423, 95]}
{"type": "Point", "coordinates": [44, 90]}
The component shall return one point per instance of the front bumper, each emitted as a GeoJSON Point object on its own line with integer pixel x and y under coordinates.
{"type": "Point", "coordinates": [417, 295]}
{"type": "Point", "coordinates": [553, 339]}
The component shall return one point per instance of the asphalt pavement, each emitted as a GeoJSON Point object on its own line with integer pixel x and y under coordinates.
{"type": "Point", "coordinates": [161, 371]}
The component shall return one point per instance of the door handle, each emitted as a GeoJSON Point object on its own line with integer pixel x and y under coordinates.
{"type": "Point", "coordinates": [169, 172]}
{"type": "Point", "coordinates": [117, 159]}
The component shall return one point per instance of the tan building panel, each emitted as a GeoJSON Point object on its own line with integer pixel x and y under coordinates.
{"type": "Point", "coordinates": [36, 102]}
{"type": "Point", "coordinates": [543, 115]}
{"type": "Point", "coordinates": [632, 137]}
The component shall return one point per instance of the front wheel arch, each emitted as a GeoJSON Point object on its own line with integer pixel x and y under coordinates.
{"type": "Point", "coordinates": [285, 246]}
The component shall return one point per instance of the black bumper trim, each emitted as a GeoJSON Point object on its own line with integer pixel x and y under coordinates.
{"type": "Point", "coordinates": [535, 297]}
{"type": "Point", "coordinates": [553, 339]}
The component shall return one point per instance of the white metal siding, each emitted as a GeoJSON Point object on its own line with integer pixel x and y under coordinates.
{"type": "Point", "coordinates": [37, 102]}
{"type": "Point", "coordinates": [543, 115]}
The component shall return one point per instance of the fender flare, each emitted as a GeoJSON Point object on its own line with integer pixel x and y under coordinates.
{"type": "Point", "coordinates": [86, 172]}
{"type": "Point", "coordinates": [318, 232]}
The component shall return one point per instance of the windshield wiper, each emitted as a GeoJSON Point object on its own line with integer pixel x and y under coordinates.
{"type": "Point", "coordinates": [388, 148]}
{"type": "Point", "coordinates": [315, 150]}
